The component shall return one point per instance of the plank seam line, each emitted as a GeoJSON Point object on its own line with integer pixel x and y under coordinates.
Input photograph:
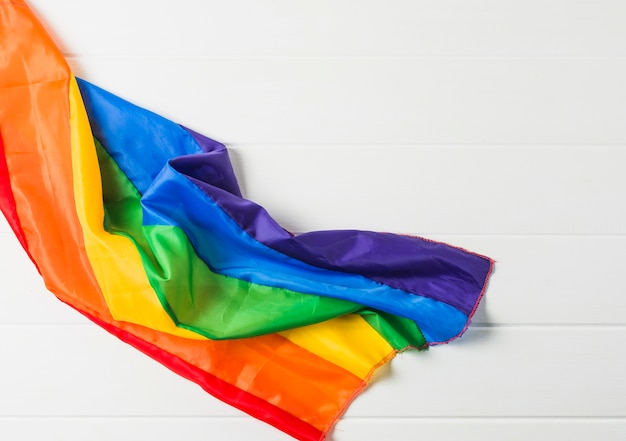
{"type": "Point", "coordinates": [473, 326]}
{"type": "Point", "coordinates": [488, 235]}
{"type": "Point", "coordinates": [483, 327]}
{"type": "Point", "coordinates": [496, 418]}
{"type": "Point", "coordinates": [391, 145]}
{"type": "Point", "coordinates": [569, 419]}
{"type": "Point", "coordinates": [302, 57]}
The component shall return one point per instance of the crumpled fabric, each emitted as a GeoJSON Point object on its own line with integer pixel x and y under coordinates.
{"type": "Point", "coordinates": [139, 224]}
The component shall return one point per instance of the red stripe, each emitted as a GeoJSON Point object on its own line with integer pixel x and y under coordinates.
{"type": "Point", "coordinates": [7, 201]}
{"type": "Point", "coordinates": [220, 389]}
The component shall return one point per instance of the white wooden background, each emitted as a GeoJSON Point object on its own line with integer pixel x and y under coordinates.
{"type": "Point", "coordinates": [496, 125]}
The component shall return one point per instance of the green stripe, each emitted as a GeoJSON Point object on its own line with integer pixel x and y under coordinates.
{"type": "Point", "coordinates": [196, 298]}
{"type": "Point", "coordinates": [401, 333]}
{"type": "Point", "coordinates": [213, 305]}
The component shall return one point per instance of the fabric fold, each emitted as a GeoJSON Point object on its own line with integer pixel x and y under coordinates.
{"type": "Point", "coordinates": [139, 224]}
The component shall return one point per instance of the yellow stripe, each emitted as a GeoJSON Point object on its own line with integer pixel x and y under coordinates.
{"type": "Point", "coordinates": [114, 259]}
{"type": "Point", "coordinates": [346, 341]}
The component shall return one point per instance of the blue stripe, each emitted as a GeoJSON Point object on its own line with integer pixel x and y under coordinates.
{"type": "Point", "coordinates": [142, 143]}
{"type": "Point", "coordinates": [175, 200]}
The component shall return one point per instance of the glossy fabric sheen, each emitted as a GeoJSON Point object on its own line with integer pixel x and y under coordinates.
{"type": "Point", "coordinates": [114, 259]}
{"type": "Point", "coordinates": [332, 340]}
{"type": "Point", "coordinates": [208, 303]}
{"type": "Point", "coordinates": [218, 239]}
{"type": "Point", "coordinates": [34, 81]}
{"type": "Point", "coordinates": [220, 243]}
{"type": "Point", "coordinates": [114, 255]}
{"type": "Point", "coordinates": [420, 266]}
{"type": "Point", "coordinates": [41, 183]}
{"type": "Point", "coordinates": [300, 380]}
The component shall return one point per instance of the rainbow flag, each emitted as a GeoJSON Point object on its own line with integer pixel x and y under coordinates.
{"type": "Point", "coordinates": [139, 224]}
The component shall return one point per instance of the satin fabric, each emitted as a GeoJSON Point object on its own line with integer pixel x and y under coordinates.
{"type": "Point", "coordinates": [36, 139]}
{"type": "Point", "coordinates": [238, 238]}
{"type": "Point", "coordinates": [99, 221]}
{"type": "Point", "coordinates": [426, 268]}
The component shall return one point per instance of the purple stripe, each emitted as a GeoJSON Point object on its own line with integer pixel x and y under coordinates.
{"type": "Point", "coordinates": [216, 167]}
{"type": "Point", "coordinates": [431, 269]}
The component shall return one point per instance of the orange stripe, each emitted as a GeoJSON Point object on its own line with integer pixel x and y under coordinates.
{"type": "Point", "coordinates": [347, 341]}
{"type": "Point", "coordinates": [35, 128]}
{"type": "Point", "coordinates": [37, 142]}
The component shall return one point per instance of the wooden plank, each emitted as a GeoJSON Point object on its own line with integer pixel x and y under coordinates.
{"type": "Point", "coordinates": [24, 298]}
{"type": "Point", "coordinates": [506, 372]}
{"type": "Point", "coordinates": [377, 100]}
{"type": "Point", "coordinates": [480, 429]}
{"type": "Point", "coordinates": [348, 429]}
{"type": "Point", "coordinates": [438, 189]}
{"type": "Point", "coordinates": [82, 370]}
{"type": "Point", "coordinates": [551, 279]}
{"type": "Point", "coordinates": [134, 429]}
{"type": "Point", "coordinates": [492, 372]}
{"type": "Point", "coordinates": [453, 28]}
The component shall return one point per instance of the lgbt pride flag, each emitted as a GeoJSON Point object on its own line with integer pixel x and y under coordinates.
{"type": "Point", "coordinates": [139, 224]}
